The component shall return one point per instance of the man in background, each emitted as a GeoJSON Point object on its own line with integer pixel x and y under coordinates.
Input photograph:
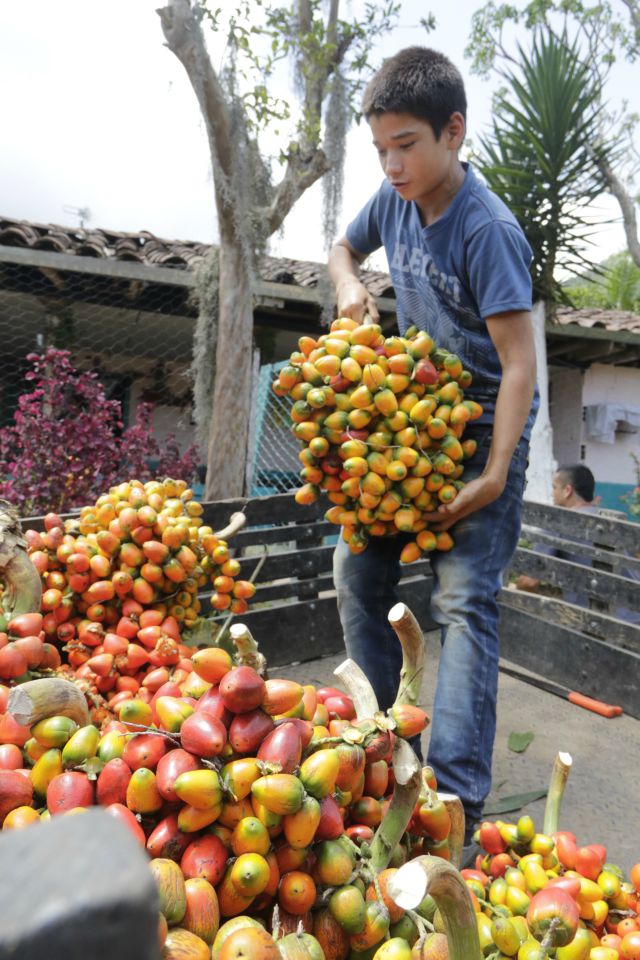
{"type": "Point", "coordinates": [573, 487]}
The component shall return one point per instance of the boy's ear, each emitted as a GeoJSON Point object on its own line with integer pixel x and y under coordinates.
{"type": "Point", "coordinates": [455, 130]}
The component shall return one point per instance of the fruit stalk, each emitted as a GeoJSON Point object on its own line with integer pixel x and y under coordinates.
{"type": "Point", "coordinates": [21, 581]}
{"type": "Point", "coordinates": [248, 654]}
{"type": "Point", "coordinates": [559, 776]}
{"type": "Point", "coordinates": [434, 876]}
{"type": "Point", "coordinates": [411, 639]}
{"type": "Point", "coordinates": [51, 696]}
{"type": "Point", "coordinates": [407, 774]}
{"type": "Point", "coordinates": [236, 522]}
{"type": "Point", "coordinates": [358, 688]}
{"type": "Point", "coordinates": [453, 803]}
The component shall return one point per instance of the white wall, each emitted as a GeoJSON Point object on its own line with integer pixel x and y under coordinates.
{"type": "Point", "coordinates": [603, 383]}
{"type": "Point", "coordinates": [166, 419]}
{"type": "Point", "coordinates": [565, 387]}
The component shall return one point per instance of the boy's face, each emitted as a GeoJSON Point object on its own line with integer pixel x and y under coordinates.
{"type": "Point", "coordinates": [417, 165]}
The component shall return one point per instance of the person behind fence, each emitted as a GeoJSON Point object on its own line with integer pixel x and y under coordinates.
{"type": "Point", "coordinates": [573, 487]}
{"type": "Point", "coordinates": [459, 263]}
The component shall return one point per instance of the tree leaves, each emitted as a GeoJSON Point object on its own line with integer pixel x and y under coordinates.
{"type": "Point", "coordinates": [513, 803]}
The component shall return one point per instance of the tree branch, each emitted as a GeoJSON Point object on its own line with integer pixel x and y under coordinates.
{"type": "Point", "coordinates": [184, 38]}
{"type": "Point", "coordinates": [306, 161]}
{"type": "Point", "coordinates": [301, 173]}
{"type": "Point", "coordinates": [634, 12]}
{"type": "Point", "coordinates": [627, 206]}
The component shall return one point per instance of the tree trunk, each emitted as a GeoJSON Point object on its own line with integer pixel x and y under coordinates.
{"type": "Point", "coordinates": [627, 205]}
{"type": "Point", "coordinates": [229, 432]}
{"type": "Point", "coordinates": [541, 462]}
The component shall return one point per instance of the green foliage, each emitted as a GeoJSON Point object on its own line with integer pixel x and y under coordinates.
{"type": "Point", "coordinates": [603, 27]}
{"type": "Point", "coordinates": [263, 36]}
{"type": "Point", "coordinates": [540, 154]}
{"type": "Point", "coordinates": [633, 497]}
{"type": "Point", "coordinates": [616, 286]}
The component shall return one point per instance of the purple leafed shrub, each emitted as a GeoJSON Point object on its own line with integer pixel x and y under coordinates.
{"type": "Point", "coordinates": [67, 445]}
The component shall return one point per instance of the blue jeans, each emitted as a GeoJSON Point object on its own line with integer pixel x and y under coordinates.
{"type": "Point", "coordinates": [466, 582]}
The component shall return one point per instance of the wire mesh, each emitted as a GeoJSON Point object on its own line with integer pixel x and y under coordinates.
{"type": "Point", "coordinates": [137, 336]}
{"type": "Point", "coordinates": [275, 463]}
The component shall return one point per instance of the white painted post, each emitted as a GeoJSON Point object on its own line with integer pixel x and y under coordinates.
{"type": "Point", "coordinates": [541, 461]}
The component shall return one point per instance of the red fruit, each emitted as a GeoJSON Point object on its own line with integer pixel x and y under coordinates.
{"type": "Point", "coordinates": [13, 662]}
{"type": "Point", "coordinates": [144, 750]}
{"type": "Point", "coordinates": [50, 657]}
{"type": "Point", "coordinates": [211, 702]}
{"type": "Point", "coordinates": [203, 735]}
{"type": "Point", "coordinates": [331, 823]}
{"type": "Point", "coordinates": [377, 745]}
{"type": "Point", "coordinates": [490, 839]}
{"type": "Point", "coordinates": [425, 372]}
{"type": "Point", "coordinates": [570, 885]}
{"type": "Point", "coordinates": [125, 816]}
{"type": "Point", "coordinates": [242, 689]}
{"type": "Point", "coordinates": [205, 857]}
{"type": "Point", "coordinates": [68, 790]}
{"type": "Point", "coordinates": [10, 756]}
{"type": "Point", "coordinates": [340, 706]}
{"type": "Point", "coordinates": [553, 906]}
{"type": "Point", "coordinates": [323, 692]}
{"type": "Point", "coordinates": [167, 839]}
{"type": "Point", "coordinates": [566, 848]}
{"type": "Point", "coordinates": [112, 782]}
{"type": "Point", "coordinates": [53, 520]}
{"type": "Point", "coordinates": [304, 727]}
{"type": "Point", "coordinates": [13, 732]}
{"type": "Point", "coordinates": [359, 832]}
{"type": "Point", "coordinates": [470, 874]}
{"type": "Point", "coordinates": [282, 745]}
{"type": "Point", "coordinates": [589, 861]}
{"type": "Point", "coordinates": [25, 625]}
{"type": "Point", "coordinates": [499, 864]}
{"type": "Point", "coordinates": [101, 664]}
{"type": "Point", "coordinates": [16, 790]}
{"type": "Point", "coordinates": [248, 730]}
{"type": "Point", "coordinates": [169, 768]}
{"type": "Point", "coordinates": [127, 628]}
{"type": "Point", "coordinates": [33, 649]}
{"type": "Point", "coordinates": [156, 679]}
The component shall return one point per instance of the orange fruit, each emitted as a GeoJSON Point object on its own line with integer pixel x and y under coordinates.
{"type": "Point", "coordinates": [297, 892]}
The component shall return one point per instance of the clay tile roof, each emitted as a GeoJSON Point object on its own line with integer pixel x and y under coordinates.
{"type": "Point", "coordinates": [592, 317]}
{"type": "Point", "coordinates": [148, 249]}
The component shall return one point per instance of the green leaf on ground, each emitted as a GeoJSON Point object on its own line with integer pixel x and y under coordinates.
{"type": "Point", "coordinates": [513, 803]}
{"type": "Point", "coordinates": [518, 742]}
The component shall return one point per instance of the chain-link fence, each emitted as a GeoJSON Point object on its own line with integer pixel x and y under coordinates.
{"type": "Point", "coordinates": [274, 463]}
{"type": "Point", "coordinates": [133, 325]}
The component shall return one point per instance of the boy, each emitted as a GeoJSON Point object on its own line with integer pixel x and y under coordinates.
{"type": "Point", "coordinates": [460, 268]}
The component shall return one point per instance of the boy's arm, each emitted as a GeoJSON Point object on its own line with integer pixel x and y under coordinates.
{"type": "Point", "coordinates": [512, 335]}
{"type": "Point", "coordinates": [353, 298]}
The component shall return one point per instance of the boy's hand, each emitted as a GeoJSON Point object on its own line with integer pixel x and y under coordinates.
{"type": "Point", "coordinates": [355, 301]}
{"type": "Point", "coordinates": [475, 495]}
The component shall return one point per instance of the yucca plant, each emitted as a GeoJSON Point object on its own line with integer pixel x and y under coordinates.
{"type": "Point", "coordinates": [540, 154]}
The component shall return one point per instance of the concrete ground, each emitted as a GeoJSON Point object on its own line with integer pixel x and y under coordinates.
{"type": "Point", "coordinates": [601, 798]}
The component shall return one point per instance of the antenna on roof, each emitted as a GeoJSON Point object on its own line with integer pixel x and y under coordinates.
{"type": "Point", "coordinates": [83, 213]}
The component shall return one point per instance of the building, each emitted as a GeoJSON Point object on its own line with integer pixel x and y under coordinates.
{"type": "Point", "coordinates": [124, 304]}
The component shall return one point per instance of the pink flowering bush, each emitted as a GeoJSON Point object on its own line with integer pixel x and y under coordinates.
{"type": "Point", "coordinates": [67, 444]}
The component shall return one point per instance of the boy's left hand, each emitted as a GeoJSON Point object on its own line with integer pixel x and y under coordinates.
{"type": "Point", "coordinates": [475, 495]}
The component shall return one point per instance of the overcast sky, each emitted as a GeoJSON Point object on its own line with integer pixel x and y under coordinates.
{"type": "Point", "coordinates": [97, 113]}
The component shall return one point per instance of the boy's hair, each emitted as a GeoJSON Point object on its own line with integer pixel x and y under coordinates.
{"type": "Point", "coordinates": [580, 478]}
{"type": "Point", "coordinates": [419, 81]}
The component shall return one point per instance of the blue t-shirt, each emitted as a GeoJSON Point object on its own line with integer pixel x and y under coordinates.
{"type": "Point", "coordinates": [448, 277]}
